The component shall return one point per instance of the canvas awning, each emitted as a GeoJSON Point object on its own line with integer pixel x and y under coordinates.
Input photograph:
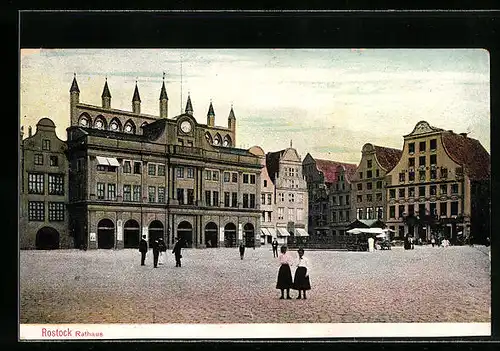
{"type": "Point", "coordinates": [113, 162]}
{"type": "Point", "coordinates": [272, 232]}
{"type": "Point", "coordinates": [283, 232]}
{"type": "Point", "coordinates": [300, 232]}
{"type": "Point", "coordinates": [102, 161]}
{"type": "Point", "coordinates": [107, 161]}
{"type": "Point", "coordinates": [264, 231]}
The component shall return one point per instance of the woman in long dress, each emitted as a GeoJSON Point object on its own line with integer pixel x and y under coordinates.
{"type": "Point", "coordinates": [301, 280]}
{"type": "Point", "coordinates": [284, 273]}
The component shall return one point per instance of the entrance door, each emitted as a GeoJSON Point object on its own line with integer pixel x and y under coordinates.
{"type": "Point", "coordinates": [230, 235]}
{"type": "Point", "coordinates": [155, 231]}
{"type": "Point", "coordinates": [131, 234]}
{"type": "Point", "coordinates": [185, 233]}
{"type": "Point", "coordinates": [211, 239]}
{"type": "Point", "coordinates": [47, 238]}
{"type": "Point", "coordinates": [249, 235]}
{"type": "Point", "coordinates": [105, 234]}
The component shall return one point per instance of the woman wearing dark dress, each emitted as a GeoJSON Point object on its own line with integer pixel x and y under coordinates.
{"type": "Point", "coordinates": [284, 273]}
{"type": "Point", "coordinates": [301, 280]}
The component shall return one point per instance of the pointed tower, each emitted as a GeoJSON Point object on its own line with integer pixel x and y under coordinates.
{"type": "Point", "coordinates": [189, 106]}
{"type": "Point", "coordinates": [136, 100]}
{"type": "Point", "coordinates": [106, 96]}
{"type": "Point", "coordinates": [211, 115]}
{"type": "Point", "coordinates": [163, 100]}
{"type": "Point", "coordinates": [74, 99]}
{"type": "Point", "coordinates": [231, 123]}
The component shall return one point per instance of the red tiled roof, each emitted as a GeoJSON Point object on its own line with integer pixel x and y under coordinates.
{"type": "Point", "coordinates": [469, 153]}
{"type": "Point", "coordinates": [387, 157]}
{"type": "Point", "coordinates": [329, 169]}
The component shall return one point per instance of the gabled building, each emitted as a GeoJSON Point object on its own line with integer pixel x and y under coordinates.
{"type": "Point", "coordinates": [440, 186]}
{"type": "Point", "coordinates": [369, 181]}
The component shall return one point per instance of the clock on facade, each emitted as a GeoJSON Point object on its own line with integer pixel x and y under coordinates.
{"type": "Point", "coordinates": [186, 126]}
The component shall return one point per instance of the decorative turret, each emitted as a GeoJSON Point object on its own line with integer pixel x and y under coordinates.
{"type": "Point", "coordinates": [163, 100]}
{"type": "Point", "coordinates": [211, 115]}
{"type": "Point", "coordinates": [136, 100]}
{"type": "Point", "coordinates": [231, 123]}
{"type": "Point", "coordinates": [74, 98]}
{"type": "Point", "coordinates": [189, 106]}
{"type": "Point", "coordinates": [106, 96]}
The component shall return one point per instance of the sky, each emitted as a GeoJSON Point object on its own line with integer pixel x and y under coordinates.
{"type": "Point", "coordinates": [326, 102]}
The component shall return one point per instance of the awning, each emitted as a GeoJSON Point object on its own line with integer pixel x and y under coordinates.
{"type": "Point", "coordinates": [272, 232]}
{"type": "Point", "coordinates": [102, 160]}
{"type": "Point", "coordinates": [113, 162]}
{"type": "Point", "coordinates": [300, 232]}
{"type": "Point", "coordinates": [283, 232]}
{"type": "Point", "coordinates": [264, 231]}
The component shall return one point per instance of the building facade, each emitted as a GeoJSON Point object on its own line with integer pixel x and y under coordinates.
{"type": "Point", "coordinates": [134, 174]}
{"type": "Point", "coordinates": [330, 197]}
{"type": "Point", "coordinates": [44, 189]}
{"type": "Point", "coordinates": [440, 186]}
{"type": "Point", "coordinates": [369, 181]}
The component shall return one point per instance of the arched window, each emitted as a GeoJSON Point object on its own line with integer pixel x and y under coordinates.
{"type": "Point", "coordinates": [217, 139]}
{"type": "Point", "coordinates": [85, 120]}
{"type": "Point", "coordinates": [115, 125]}
{"type": "Point", "coordinates": [100, 122]}
{"type": "Point", "coordinates": [227, 141]}
{"type": "Point", "coordinates": [129, 127]}
{"type": "Point", "coordinates": [209, 138]}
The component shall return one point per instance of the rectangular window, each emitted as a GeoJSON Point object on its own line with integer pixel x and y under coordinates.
{"type": "Point", "coordinates": [433, 190]}
{"type": "Point", "coordinates": [402, 193]}
{"type": "Point", "coordinates": [179, 172]}
{"type": "Point", "coordinates": [245, 178]}
{"type": "Point", "coordinates": [137, 193]}
{"type": "Point", "coordinates": [208, 175]}
{"type": "Point", "coordinates": [369, 213]}
{"type": "Point", "coordinates": [341, 216]}
{"type": "Point", "coordinates": [252, 200]}
{"type": "Point", "coordinates": [290, 214]}
{"type": "Point", "coordinates": [36, 211]}
{"type": "Point", "coordinates": [432, 208]}
{"type": "Point", "coordinates": [234, 177]}
{"type": "Point", "coordinates": [360, 175]}
{"type": "Point", "coordinates": [411, 148]}
{"type": "Point", "coordinates": [421, 191]}
{"type": "Point", "coordinates": [180, 142]}
{"type": "Point", "coordinates": [369, 186]}
{"type": "Point", "coordinates": [208, 197]}
{"type": "Point", "coordinates": [151, 194]}
{"type": "Point", "coordinates": [443, 189]}
{"type": "Point", "coordinates": [245, 200]}
{"type": "Point", "coordinates": [151, 169]}
{"type": "Point", "coordinates": [402, 177]}
{"type": "Point", "coordinates": [265, 183]}
{"type": "Point", "coordinates": [46, 144]}
{"type": "Point", "coordinates": [411, 162]}
{"type": "Point", "coordinates": [38, 159]}
{"type": "Point", "coordinates": [263, 199]}
{"type": "Point", "coordinates": [421, 146]}
{"type": "Point", "coordinates": [377, 173]}
{"type": "Point", "coordinates": [378, 196]}
{"type": "Point", "coordinates": [392, 211]}
{"type": "Point", "coordinates": [421, 175]}
{"type": "Point", "coordinates": [300, 215]}
{"type": "Point", "coordinates": [161, 194]}
{"type": "Point", "coordinates": [36, 183]}
{"type": "Point", "coordinates": [180, 196]}
{"type": "Point", "coordinates": [127, 192]}
{"type": "Point", "coordinates": [291, 197]}
{"type": "Point", "coordinates": [369, 174]}
{"type": "Point", "coordinates": [347, 200]}
{"type": "Point", "coordinates": [411, 209]}
{"type": "Point", "coordinates": [161, 170]}
{"type": "Point", "coordinates": [269, 199]}
{"type": "Point", "coordinates": [280, 212]}
{"type": "Point", "coordinates": [347, 216]}
{"type": "Point", "coordinates": [443, 209]}
{"type": "Point", "coordinates": [444, 172]}
{"type": "Point", "coordinates": [226, 199]}
{"type": "Point", "coordinates": [411, 191]}
{"type": "Point", "coordinates": [56, 211]}
{"type": "Point", "coordinates": [137, 167]}
{"type": "Point", "coordinates": [421, 210]}
{"type": "Point", "coordinates": [360, 186]}
{"type": "Point", "coordinates": [282, 197]}
{"type": "Point", "coordinates": [341, 200]}
{"type": "Point", "coordinates": [190, 172]}
{"type": "Point", "coordinates": [433, 144]}
{"type": "Point", "coordinates": [379, 184]}
{"type": "Point", "coordinates": [433, 174]}
{"type": "Point", "coordinates": [359, 213]}
{"type": "Point", "coordinates": [433, 159]}
{"type": "Point", "coordinates": [369, 163]}
{"type": "Point", "coordinates": [392, 193]}
{"type": "Point", "coordinates": [411, 175]}
{"type": "Point", "coordinates": [421, 161]}
{"type": "Point", "coordinates": [100, 191]}
{"type": "Point", "coordinates": [369, 197]}
{"type": "Point", "coordinates": [401, 211]}
{"type": "Point", "coordinates": [53, 160]}
{"type": "Point", "coordinates": [111, 191]}
{"type": "Point", "coordinates": [359, 198]}
{"type": "Point", "coordinates": [190, 196]}
{"type": "Point", "coordinates": [227, 176]}
{"type": "Point", "coordinates": [127, 167]}
{"type": "Point", "coordinates": [215, 198]}
{"type": "Point", "coordinates": [454, 188]}
{"type": "Point", "coordinates": [215, 175]}
{"type": "Point", "coordinates": [234, 199]}
{"type": "Point", "coordinates": [252, 178]}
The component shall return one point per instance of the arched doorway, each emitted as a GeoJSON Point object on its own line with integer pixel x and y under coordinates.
{"type": "Point", "coordinates": [230, 235]}
{"type": "Point", "coordinates": [211, 239]}
{"type": "Point", "coordinates": [131, 234]}
{"type": "Point", "coordinates": [249, 235]}
{"type": "Point", "coordinates": [185, 233]}
{"type": "Point", "coordinates": [47, 238]}
{"type": "Point", "coordinates": [105, 234]}
{"type": "Point", "coordinates": [155, 231]}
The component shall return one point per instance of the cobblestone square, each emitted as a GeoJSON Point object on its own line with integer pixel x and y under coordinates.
{"type": "Point", "coordinates": [214, 286]}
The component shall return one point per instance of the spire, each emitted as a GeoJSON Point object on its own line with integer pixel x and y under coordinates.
{"type": "Point", "coordinates": [163, 93]}
{"type": "Point", "coordinates": [189, 106]}
{"type": "Point", "coordinates": [136, 94]}
{"type": "Point", "coordinates": [74, 86]}
{"type": "Point", "coordinates": [105, 91]}
{"type": "Point", "coordinates": [211, 110]}
{"type": "Point", "coordinates": [231, 113]}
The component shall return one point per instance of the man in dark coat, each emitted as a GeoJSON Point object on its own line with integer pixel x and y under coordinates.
{"type": "Point", "coordinates": [177, 252]}
{"type": "Point", "coordinates": [143, 249]}
{"type": "Point", "coordinates": [156, 252]}
{"type": "Point", "coordinates": [275, 247]}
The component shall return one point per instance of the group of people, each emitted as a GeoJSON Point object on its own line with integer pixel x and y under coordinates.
{"type": "Point", "coordinates": [159, 249]}
{"type": "Point", "coordinates": [300, 282]}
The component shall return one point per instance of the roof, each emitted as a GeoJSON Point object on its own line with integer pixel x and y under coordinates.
{"type": "Point", "coordinates": [231, 113]}
{"type": "Point", "coordinates": [163, 93]}
{"type": "Point", "coordinates": [329, 169]}
{"type": "Point", "coordinates": [469, 153]}
{"type": "Point", "coordinates": [46, 122]}
{"type": "Point", "coordinates": [136, 94]}
{"type": "Point", "coordinates": [234, 150]}
{"type": "Point", "coordinates": [105, 91]}
{"type": "Point", "coordinates": [189, 106]}
{"type": "Point", "coordinates": [211, 110]}
{"type": "Point", "coordinates": [74, 86]}
{"type": "Point", "coordinates": [387, 157]}
{"type": "Point", "coordinates": [366, 223]}
{"type": "Point", "coordinates": [272, 162]}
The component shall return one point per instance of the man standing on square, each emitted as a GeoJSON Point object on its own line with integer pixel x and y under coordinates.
{"type": "Point", "coordinates": [274, 244]}
{"type": "Point", "coordinates": [177, 252]}
{"type": "Point", "coordinates": [143, 249]}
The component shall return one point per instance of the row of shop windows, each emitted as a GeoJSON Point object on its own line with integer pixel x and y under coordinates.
{"type": "Point", "coordinates": [36, 211]}
{"type": "Point", "coordinates": [39, 160]}
{"type": "Point", "coordinates": [443, 190]}
{"type": "Point", "coordinates": [370, 212]}
{"type": "Point", "coordinates": [36, 183]}
{"type": "Point", "coordinates": [342, 216]}
{"type": "Point", "coordinates": [443, 209]}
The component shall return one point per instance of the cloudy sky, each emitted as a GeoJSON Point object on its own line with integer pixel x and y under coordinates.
{"type": "Point", "coordinates": [328, 102]}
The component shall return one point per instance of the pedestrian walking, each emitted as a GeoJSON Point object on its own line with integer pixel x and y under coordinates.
{"type": "Point", "coordinates": [143, 249]}
{"type": "Point", "coordinates": [412, 245]}
{"type": "Point", "coordinates": [433, 241]}
{"type": "Point", "coordinates": [284, 273]}
{"type": "Point", "coordinates": [301, 280]}
{"type": "Point", "coordinates": [156, 252]}
{"type": "Point", "coordinates": [274, 244]}
{"type": "Point", "coordinates": [177, 252]}
{"type": "Point", "coordinates": [242, 250]}
{"type": "Point", "coordinates": [371, 244]}
{"type": "Point", "coordinates": [162, 247]}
